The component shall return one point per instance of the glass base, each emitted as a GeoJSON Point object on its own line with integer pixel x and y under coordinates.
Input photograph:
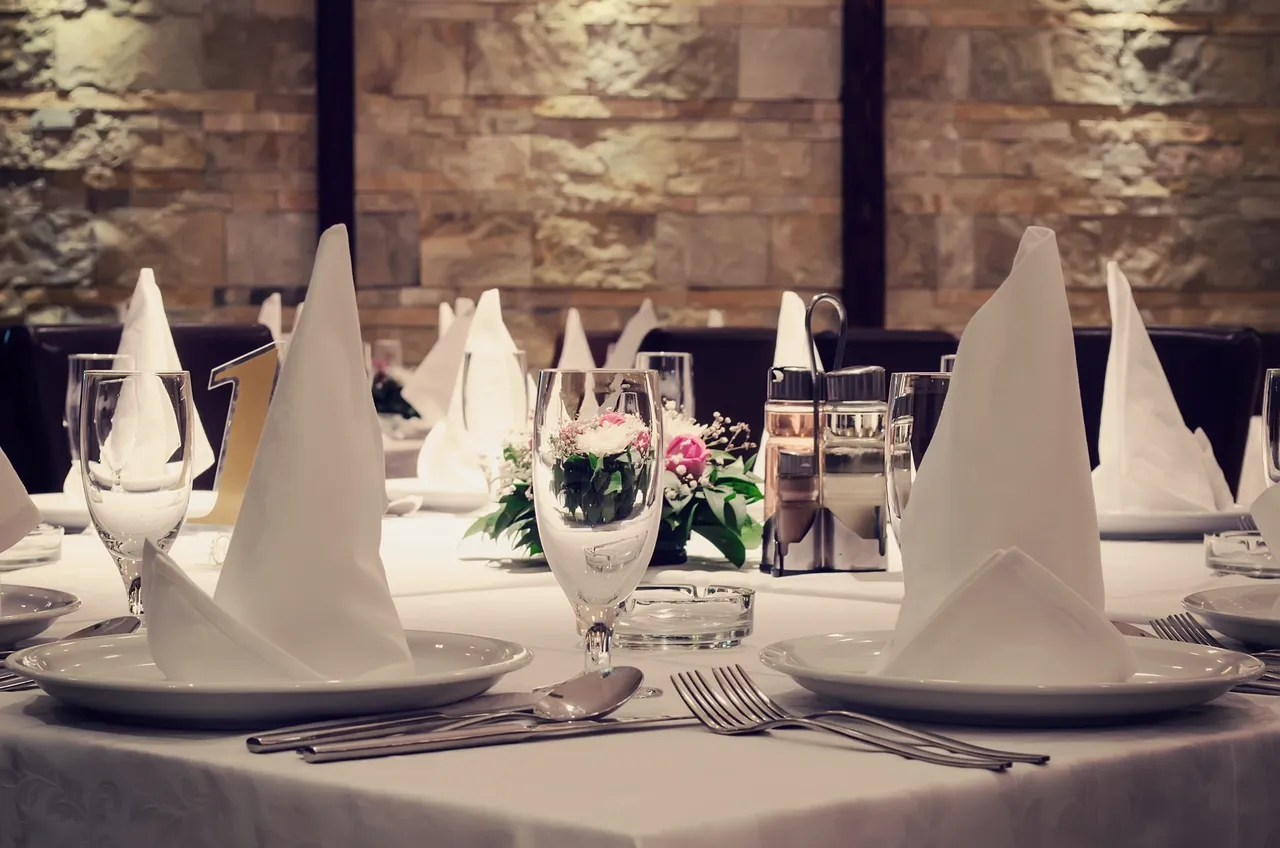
{"type": "Point", "coordinates": [1240, 552]}
{"type": "Point", "coordinates": [41, 546]}
{"type": "Point", "coordinates": [683, 616]}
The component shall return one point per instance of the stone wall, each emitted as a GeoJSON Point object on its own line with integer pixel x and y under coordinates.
{"type": "Point", "coordinates": [171, 133]}
{"type": "Point", "coordinates": [1144, 131]}
{"type": "Point", "coordinates": [594, 153]}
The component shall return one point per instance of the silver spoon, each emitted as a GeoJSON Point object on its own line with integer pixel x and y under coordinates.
{"type": "Point", "coordinates": [110, 627]}
{"type": "Point", "coordinates": [584, 697]}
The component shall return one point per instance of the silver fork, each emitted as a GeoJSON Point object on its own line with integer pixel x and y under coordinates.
{"type": "Point", "coordinates": [1174, 629]}
{"type": "Point", "coordinates": [721, 714]}
{"type": "Point", "coordinates": [1247, 523]}
{"type": "Point", "coordinates": [735, 680]}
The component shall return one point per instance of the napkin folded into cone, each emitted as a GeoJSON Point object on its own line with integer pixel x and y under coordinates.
{"type": "Point", "coordinates": [622, 354]}
{"type": "Point", "coordinates": [790, 349]}
{"type": "Point", "coordinates": [18, 514]}
{"type": "Point", "coordinates": [430, 388]}
{"type": "Point", "coordinates": [575, 355]}
{"type": "Point", "coordinates": [1148, 461]}
{"type": "Point", "coordinates": [302, 594]}
{"type": "Point", "coordinates": [146, 338]}
{"type": "Point", "coordinates": [271, 316]}
{"type": "Point", "coordinates": [1000, 552]}
{"type": "Point", "coordinates": [449, 459]}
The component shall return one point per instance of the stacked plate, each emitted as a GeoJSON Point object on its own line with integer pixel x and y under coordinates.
{"type": "Point", "coordinates": [1248, 614]}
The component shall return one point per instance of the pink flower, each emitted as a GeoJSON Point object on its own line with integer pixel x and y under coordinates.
{"type": "Point", "coordinates": [687, 456]}
{"type": "Point", "coordinates": [641, 441]}
{"type": "Point", "coordinates": [613, 418]}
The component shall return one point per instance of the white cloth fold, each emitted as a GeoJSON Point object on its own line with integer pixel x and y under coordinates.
{"type": "Point", "coordinates": [790, 349]}
{"type": "Point", "coordinates": [622, 355]}
{"type": "Point", "coordinates": [144, 418]}
{"type": "Point", "coordinates": [498, 392]}
{"type": "Point", "coordinates": [1148, 460]}
{"type": "Point", "coordinates": [271, 316]}
{"type": "Point", "coordinates": [1000, 552]}
{"type": "Point", "coordinates": [302, 593]}
{"type": "Point", "coordinates": [715, 318]}
{"type": "Point", "coordinates": [444, 319]}
{"type": "Point", "coordinates": [430, 388]}
{"type": "Point", "coordinates": [575, 355]}
{"type": "Point", "coordinates": [18, 514]}
{"type": "Point", "coordinates": [1253, 473]}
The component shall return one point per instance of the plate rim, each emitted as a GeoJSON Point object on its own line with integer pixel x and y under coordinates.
{"type": "Point", "coordinates": [1189, 603]}
{"type": "Point", "coordinates": [520, 658]}
{"type": "Point", "coordinates": [770, 656]}
{"type": "Point", "coordinates": [70, 604]}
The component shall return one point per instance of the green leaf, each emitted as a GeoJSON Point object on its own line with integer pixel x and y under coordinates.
{"type": "Point", "coordinates": [595, 462]}
{"type": "Point", "coordinates": [480, 525]}
{"type": "Point", "coordinates": [715, 500]}
{"type": "Point", "coordinates": [727, 542]}
{"type": "Point", "coordinates": [615, 483]}
{"type": "Point", "coordinates": [751, 533]}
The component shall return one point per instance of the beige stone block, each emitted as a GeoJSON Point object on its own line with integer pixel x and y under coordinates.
{"type": "Point", "coordinates": [911, 251]}
{"type": "Point", "coordinates": [594, 251]}
{"type": "Point", "coordinates": [928, 63]}
{"type": "Point", "coordinates": [712, 250]}
{"type": "Point", "coordinates": [487, 163]}
{"type": "Point", "coordinates": [387, 249]}
{"type": "Point", "coordinates": [805, 252]}
{"type": "Point", "coordinates": [260, 53]}
{"type": "Point", "coordinates": [466, 250]}
{"type": "Point", "coordinates": [185, 247]}
{"type": "Point", "coordinates": [955, 252]}
{"type": "Point", "coordinates": [533, 56]}
{"type": "Point", "coordinates": [410, 56]}
{"type": "Point", "coordinates": [673, 63]}
{"type": "Point", "coordinates": [270, 248]}
{"type": "Point", "coordinates": [260, 152]}
{"type": "Point", "coordinates": [101, 50]}
{"type": "Point", "coordinates": [789, 63]}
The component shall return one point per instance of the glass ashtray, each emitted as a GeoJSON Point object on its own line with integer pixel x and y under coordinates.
{"type": "Point", "coordinates": [42, 545]}
{"type": "Point", "coordinates": [1240, 552]}
{"type": "Point", "coordinates": [660, 616]}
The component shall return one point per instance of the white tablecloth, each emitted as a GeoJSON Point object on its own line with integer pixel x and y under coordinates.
{"type": "Point", "coordinates": [1199, 779]}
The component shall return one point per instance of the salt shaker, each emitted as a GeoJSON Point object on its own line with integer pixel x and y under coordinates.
{"type": "Point", "coordinates": [854, 411]}
{"type": "Point", "coordinates": [789, 538]}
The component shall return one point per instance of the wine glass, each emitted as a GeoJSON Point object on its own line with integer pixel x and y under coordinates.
{"type": "Point", "coordinates": [915, 406]}
{"type": "Point", "coordinates": [675, 377]}
{"type": "Point", "coordinates": [77, 364]}
{"type": "Point", "coordinates": [136, 432]}
{"type": "Point", "coordinates": [495, 403]}
{"type": "Point", "coordinates": [597, 473]}
{"type": "Point", "coordinates": [948, 363]}
{"type": "Point", "coordinates": [1271, 426]}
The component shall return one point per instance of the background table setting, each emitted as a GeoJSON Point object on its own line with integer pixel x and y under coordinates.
{"type": "Point", "coordinates": [912, 615]}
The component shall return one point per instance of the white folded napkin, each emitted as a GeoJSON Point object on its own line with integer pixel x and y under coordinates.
{"type": "Point", "coordinates": [450, 455]}
{"type": "Point", "coordinates": [431, 386]}
{"type": "Point", "coordinates": [1253, 472]}
{"type": "Point", "coordinates": [715, 318]}
{"type": "Point", "coordinates": [576, 353]}
{"type": "Point", "coordinates": [622, 355]}
{"type": "Point", "coordinates": [302, 594]}
{"type": "Point", "coordinates": [1148, 461]}
{"type": "Point", "coordinates": [147, 338]}
{"type": "Point", "coordinates": [1000, 552]}
{"type": "Point", "coordinates": [445, 319]}
{"type": "Point", "coordinates": [270, 316]}
{"type": "Point", "coordinates": [18, 515]}
{"type": "Point", "coordinates": [790, 349]}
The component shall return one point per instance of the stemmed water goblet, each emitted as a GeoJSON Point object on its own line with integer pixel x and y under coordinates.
{"type": "Point", "coordinates": [77, 365]}
{"type": "Point", "coordinates": [915, 406]}
{"type": "Point", "coordinates": [597, 487]}
{"type": "Point", "coordinates": [675, 378]}
{"type": "Point", "coordinates": [136, 430]}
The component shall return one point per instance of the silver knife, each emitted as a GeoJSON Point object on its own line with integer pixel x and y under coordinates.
{"type": "Point", "coordinates": [421, 743]}
{"type": "Point", "coordinates": [294, 737]}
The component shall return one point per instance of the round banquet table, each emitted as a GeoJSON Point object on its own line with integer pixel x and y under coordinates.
{"type": "Point", "coordinates": [1205, 777]}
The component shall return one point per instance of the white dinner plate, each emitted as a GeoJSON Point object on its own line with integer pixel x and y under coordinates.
{"type": "Point", "coordinates": [117, 676]}
{"type": "Point", "coordinates": [71, 513]}
{"type": "Point", "coordinates": [436, 498]}
{"type": "Point", "coordinates": [1171, 676]}
{"type": "Point", "coordinates": [26, 611]}
{"type": "Point", "coordinates": [1152, 526]}
{"type": "Point", "coordinates": [1247, 614]}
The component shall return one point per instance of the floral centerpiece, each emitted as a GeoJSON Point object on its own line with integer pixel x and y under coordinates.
{"type": "Point", "coordinates": [706, 486]}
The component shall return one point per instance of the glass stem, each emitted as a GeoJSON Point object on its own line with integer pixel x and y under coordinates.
{"type": "Point", "coordinates": [135, 596]}
{"type": "Point", "coordinates": [599, 642]}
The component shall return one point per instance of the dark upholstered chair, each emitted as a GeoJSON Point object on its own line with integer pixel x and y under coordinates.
{"type": "Point", "coordinates": [731, 364]}
{"type": "Point", "coordinates": [33, 383]}
{"type": "Point", "coordinates": [1214, 373]}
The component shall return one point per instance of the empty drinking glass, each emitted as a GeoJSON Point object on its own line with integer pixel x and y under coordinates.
{"type": "Point", "coordinates": [1271, 425]}
{"type": "Point", "coordinates": [597, 487]}
{"type": "Point", "coordinates": [948, 363]}
{"type": "Point", "coordinates": [135, 439]}
{"type": "Point", "coordinates": [77, 365]}
{"type": "Point", "coordinates": [915, 405]}
{"type": "Point", "coordinates": [675, 377]}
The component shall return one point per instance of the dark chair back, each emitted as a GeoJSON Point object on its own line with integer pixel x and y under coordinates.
{"type": "Point", "coordinates": [33, 383]}
{"type": "Point", "coordinates": [1214, 374]}
{"type": "Point", "coordinates": [731, 364]}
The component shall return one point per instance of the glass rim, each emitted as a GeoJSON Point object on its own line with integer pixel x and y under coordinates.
{"type": "Point", "coordinates": [98, 355]}
{"type": "Point", "coordinates": [677, 353]}
{"type": "Point", "coordinates": [631, 370]}
{"type": "Point", "coordinates": [100, 372]}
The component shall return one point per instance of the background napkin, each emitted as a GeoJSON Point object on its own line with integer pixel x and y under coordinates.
{"type": "Point", "coordinates": [790, 349]}
{"type": "Point", "coordinates": [449, 456]}
{"type": "Point", "coordinates": [1000, 550]}
{"type": "Point", "coordinates": [444, 320]}
{"type": "Point", "coordinates": [430, 388]}
{"type": "Point", "coordinates": [622, 355]}
{"type": "Point", "coordinates": [576, 353]}
{"type": "Point", "coordinates": [1148, 460]}
{"type": "Point", "coordinates": [147, 338]}
{"type": "Point", "coordinates": [715, 318]}
{"type": "Point", "coordinates": [302, 594]}
{"type": "Point", "coordinates": [18, 515]}
{"type": "Point", "coordinates": [270, 316]}
{"type": "Point", "coordinates": [1253, 473]}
